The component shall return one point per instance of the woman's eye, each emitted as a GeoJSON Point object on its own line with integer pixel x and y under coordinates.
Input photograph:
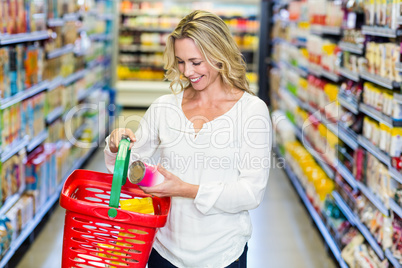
{"type": "Point", "coordinates": [180, 62]}
{"type": "Point", "coordinates": [196, 63]}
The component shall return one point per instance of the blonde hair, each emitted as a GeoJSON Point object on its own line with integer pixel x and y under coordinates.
{"type": "Point", "coordinates": [213, 38]}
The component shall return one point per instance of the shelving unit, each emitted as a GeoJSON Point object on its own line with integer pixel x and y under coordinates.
{"type": "Point", "coordinates": [39, 215]}
{"type": "Point", "coordinates": [27, 144]}
{"type": "Point", "coordinates": [351, 141]}
{"type": "Point", "coordinates": [142, 34]}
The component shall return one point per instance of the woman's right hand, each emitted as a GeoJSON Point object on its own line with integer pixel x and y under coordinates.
{"type": "Point", "coordinates": [115, 138]}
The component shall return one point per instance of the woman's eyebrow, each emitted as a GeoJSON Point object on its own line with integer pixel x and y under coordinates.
{"type": "Point", "coordinates": [192, 59]}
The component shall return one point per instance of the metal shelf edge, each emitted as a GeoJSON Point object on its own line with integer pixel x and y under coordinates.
{"type": "Point", "coordinates": [37, 140]}
{"type": "Point", "coordinates": [395, 207]}
{"type": "Point", "coordinates": [377, 115]}
{"type": "Point", "coordinates": [14, 148]}
{"type": "Point", "coordinates": [392, 259]}
{"type": "Point", "coordinates": [345, 173]}
{"type": "Point", "coordinates": [370, 239]}
{"type": "Point", "coordinates": [373, 199]}
{"type": "Point", "coordinates": [23, 95]}
{"type": "Point", "coordinates": [349, 74]}
{"type": "Point", "coordinates": [344, 208]}
{"type": "Point", "coordinates": [348, 105]}
{"type": "Point", "coordinates": [364, 142]}
{"type": "Point", "coordinates": [23, 37]}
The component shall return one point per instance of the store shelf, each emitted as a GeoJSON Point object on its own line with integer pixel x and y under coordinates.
{"type": "Point", "coordinates": [348, 104]}
{"type": "Point", "coordinates": [23, 95]}
{"type": "Point", "coordinates": [74, 77]}
{"type": "Point", "coordinates": [55, 22]}
{"type": "Point", "coordinates": [373, 199]}
{"type": "Point", "coordinates": [71, 17]}
{"type": "Point", "coordinates": [370, 239]}
{"type": "Point", "coordinates": [345, 173]}
{"type": "Point", "coordinates": [140, 48]}
{"type": "Point", "coordinates": [350, 216]}
{"type": "Point", "coordinates": [398, 97]}
{"type": "Point", "coordinates": [101, 37]}
{"type": "Point", "coordinates": [140, 93]}
{"type": "Point", "coordinates": [14, 148]}
{"type": "Point", "coordinates": [381, 81]}
{"type": "Point", "coordinates": [380, 31]}
{"type": "Point", "coordinates": [395, 263]}
{"type": "Point", "coordinates": [107, 17]}
{"type": "Point", "coordinates": [147, 29]}
{"type": "Point", "coordinates": [60, 51]}
{"type": "Point", "coordinates": [374, 150]}
{"type": "Point", "coordinates": [53, 115]}
{"type": "Point", "coordinates": [395, 174]}
{"type": "Point", "coordinates": [315, 69]}
{"type": "Point", "coordinates": [398, 66]}
{"type": "Point", "coordinates": [84, 94]}
{"type": "Point", "coordinates": [36, 141]}
{"type": "Point", "coordinates": [56, 82]}
{"type": "Point", "coordinates": [395, 207]}
{"type": "Point", "coordinates": [349, 74]}
{"type": "Point", "coordinates": [330, 75]}
{"type": "Point", "coordinates": [10, 201]}
{"type": "Point", "coordinates": [379, 116]}
{"type": "Point", "coordinates": [8, 39]}
{"type": "Point", "coordinates": [345, 136]}
{"type": "Point", "coordinates": [325, 30]}
{"type": "Point", "coordinates": [320, 224]}
{"type": "Point", "coordinates": [41, 213]}
{"type": "Point", "coordinates": [309, 147]}
{"type": "Point", "coordinates": [350, 47]}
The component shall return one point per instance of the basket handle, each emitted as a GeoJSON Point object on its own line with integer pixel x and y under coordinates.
{"type": "Point", "coordinates": [119, 175]}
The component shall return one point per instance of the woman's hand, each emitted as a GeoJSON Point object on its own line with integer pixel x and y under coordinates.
{"type": "Point", "coordinates": [115, 138]}
{"type": "Point", "coordinates": [171, 186]}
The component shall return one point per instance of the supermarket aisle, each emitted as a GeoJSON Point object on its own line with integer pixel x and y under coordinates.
{"type": "Point", "coordinates": [283, 232]}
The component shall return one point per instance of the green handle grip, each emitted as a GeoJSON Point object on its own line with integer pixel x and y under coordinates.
{"type": "Point", "coordinates": [119, 175]}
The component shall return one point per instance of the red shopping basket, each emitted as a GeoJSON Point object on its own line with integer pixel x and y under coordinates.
{"type": "Point", "coordinates": [97, 233]}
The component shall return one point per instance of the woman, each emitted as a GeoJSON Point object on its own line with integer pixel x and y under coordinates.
{"type": "Point", "coordinates": [213, 140]}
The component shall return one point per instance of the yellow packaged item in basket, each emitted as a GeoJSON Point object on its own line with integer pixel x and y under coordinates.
{"type": "Point", "coordinates": [143, 205]}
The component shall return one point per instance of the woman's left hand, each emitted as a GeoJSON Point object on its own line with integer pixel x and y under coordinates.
{"type": "Point", "coordinates": [171, 186]}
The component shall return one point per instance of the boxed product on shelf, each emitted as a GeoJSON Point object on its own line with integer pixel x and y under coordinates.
{"type": "Point", "coordinates": [382, 58]}
{"type": "Point", "coordinates": [51, 151]}
{"type": "Point", "coordinates": [16, 69]}
{"type": "Point", "coordinates": [13, 178]}
{"type": "Point", "coordinates": [37, 177]}
{"type": "Point", "coordinates": [33, 64]}
{"type": "Point", "coordinates": [396, 247]}
{"type": "Point", "coordinates": [10, 124]}
{"type": "Point", "coordinates": [53, 100]}
{"type": "Point", "coordinates": [6, 232]}
{"type": "Point", "coordinates": [36, 15]}
{"type": "Point", "coordinates": [4, 73]}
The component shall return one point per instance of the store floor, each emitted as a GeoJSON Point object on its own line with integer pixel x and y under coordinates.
{"type": "Point", "coordinates": [283, 233]}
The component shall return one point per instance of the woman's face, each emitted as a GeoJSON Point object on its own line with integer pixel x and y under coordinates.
{"type": "Point", "coordinates": [193, 65]}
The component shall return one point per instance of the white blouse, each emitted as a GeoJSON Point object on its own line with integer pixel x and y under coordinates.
{"type": "Point", "coordinates": [229, 158]}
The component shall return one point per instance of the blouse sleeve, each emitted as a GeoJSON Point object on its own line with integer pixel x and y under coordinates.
{"type": "Point", "coordinates": [248, 190]}
{"type": "Point", "coordinates": [147, 140]}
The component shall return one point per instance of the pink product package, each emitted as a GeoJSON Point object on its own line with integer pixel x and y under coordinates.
{"type": "Point", "coordinates": [152, 176]}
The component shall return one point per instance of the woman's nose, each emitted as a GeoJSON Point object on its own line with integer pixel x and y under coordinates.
{"type": "Point", "coordinates": [189, 71]}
